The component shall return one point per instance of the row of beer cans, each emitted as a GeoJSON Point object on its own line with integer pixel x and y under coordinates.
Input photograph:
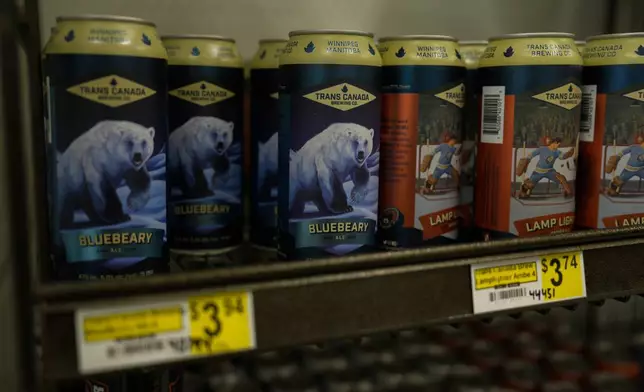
{"type": "Point", "coordinates": [353, 145]}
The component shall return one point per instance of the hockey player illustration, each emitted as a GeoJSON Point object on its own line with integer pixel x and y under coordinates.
{"type": "Point", "coordinates": [634, 166]}
{"type": "Point", "coordinates": [547, 155]}
{"type": "Point", "coordinates": [447, 150]}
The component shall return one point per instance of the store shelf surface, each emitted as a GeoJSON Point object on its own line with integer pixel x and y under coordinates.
{"type": "Point", "coordinates": [316, 301]}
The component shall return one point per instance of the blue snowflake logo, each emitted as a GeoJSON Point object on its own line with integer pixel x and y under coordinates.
{"type": "Point", "coordinates": [70, 36]}
{"type": "Point", "coordinates": [146, 40]}
{"type": "Point", "coordinates": [401, 53]}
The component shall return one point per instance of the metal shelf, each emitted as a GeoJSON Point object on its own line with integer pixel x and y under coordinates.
{"type": "Point", "coordinates": [322, 300]}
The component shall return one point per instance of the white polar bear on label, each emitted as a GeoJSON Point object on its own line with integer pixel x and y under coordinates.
{"type": "Point", "coordinates": [319, 169]}
{"type": "Point", "coordinates": [267, 166]}
{"type": "Point", "coordinates": [95, 164]}
{"type": "Point", "coordinates": [201, 143]}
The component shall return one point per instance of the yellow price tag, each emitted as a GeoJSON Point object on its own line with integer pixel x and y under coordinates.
{"type": "Point", "coordinates": [562, 276]}
{"type": "Point", "coordinates": [132, 324]}
{"type": "Point", "coordinates": [221, 323]}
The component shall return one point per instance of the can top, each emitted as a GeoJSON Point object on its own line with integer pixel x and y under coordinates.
{"type": "Point", "coordinates": [202, 50]}
{"type": "Point", "coordinates": [338, 47]}
{"type": "Point", "coordinates": [105, 35]}
{"type": "Point", "coordinates": [330, 31]}
{"type": "Point", "coordinates": [473, 42]}
{"type": "Point", "coordinates": [531, 49]}
{"type": "Point", "coordinates": [198, 36]}
{"type": "Point", "coordinates": [420, 50]}
{"type": "Point", "coordinates": [268, 54]}
{"type": "Point", "coordinates": [273, 41]}
{"type": "Point", "coordinates": [533, 35]}
{"type": "Point", "coordinates": [418, 37]}
{"type": "Point", "coordinates": [614, 49]}
{"type": "Point", "coordinates": [113, 18]}
{"type": "Point", "coordinates": [613, 36]}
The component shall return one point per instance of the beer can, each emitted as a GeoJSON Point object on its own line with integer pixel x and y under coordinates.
{"type": "Point", "coordinates": [530, 112]}
{"type": "Point", "coordinates": [205, 115]}
{"type": "Point", "coordinates": [423, 97]}
{"type": "Point", "coordinates": [471, 51]}
{"type": "Point", "coordinates": [329, 144]}
{"type": "Point", "coordinates": [106, 95]}
{"type": "Point", "coordinates": [264, 118]}
{"type": "Point", "coordinates": [612, 133]}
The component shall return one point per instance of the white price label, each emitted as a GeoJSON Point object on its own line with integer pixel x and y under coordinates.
{"type": "Point", "coordinates": [120, 337]}
{"type": "Point", "coordinates": [527, 281]}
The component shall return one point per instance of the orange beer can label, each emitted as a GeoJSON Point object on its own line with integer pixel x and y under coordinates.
{"type": "Point", "coordinates": [526, 164]}
{"type": "Point", "coordinates": [611, 151]}
{"type": "Point", "coordinates": [421, 138]}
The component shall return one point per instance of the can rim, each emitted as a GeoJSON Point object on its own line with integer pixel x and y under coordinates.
{"type": "Point", "coordinates": [473, 42]}
{"type": "Point", "coordinates": [618, 35]}
{"type": "Point", "coordinates": [330, 31]}
{"type": "Point", "coordinates": [533, 35]}
{"type": "Point", "coordinates": [109, 18]}
{"type": "Point", "coordinates": [580, 42]}
{"type": "Point", "coordinates": [412, 37]}
{"type": "Point", "coordinates": [198, 36]}
{"type": "Point", "coordinates": [273, 41]}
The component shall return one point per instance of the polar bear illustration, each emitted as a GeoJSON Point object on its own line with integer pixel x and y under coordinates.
{"type": "Point", "coordinates": [267, 167]}
{"type": "Point", "coordinates": [96, 163]}
{"type": "Point", "coordinates": [199, 144]}
{"type": "Point", "coordinates": [319, 169]}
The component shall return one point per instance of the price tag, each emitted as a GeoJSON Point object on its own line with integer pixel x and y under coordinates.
{"type": "Point", "coordinates": [563, 275]}
{"type": "Point", "coordinates": [220, 324]}
{"type": "Point", "coordinates": [120, 337]}
{"type": "Point", "coordinates": [528, 281]}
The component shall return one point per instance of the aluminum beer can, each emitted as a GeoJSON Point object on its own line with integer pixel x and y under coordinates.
{"type": "Point", "coordinates": [423, 87]}
{"type": "Point", "coordinates": [107, 139]}
{"type": "Point", "coordinates": [611, 171]}
{"type": "Point", "coordinates": [526, 161]}
{"type": "Point", "coordinates": [471, 51]}
{"type": "Point", "coordinates": [329, 144]}
{"type": "Point", "coordinates": [205, 163]}
{"type": "Point", "coordinates": [264, 118]}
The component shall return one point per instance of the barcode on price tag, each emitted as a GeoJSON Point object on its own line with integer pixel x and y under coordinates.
{"type": "Point", "coordinates": [501, 295]}
{"type": "Point", "coordinates": [120, 337]}
{"type": "Point", "coordinates": [528, 281]}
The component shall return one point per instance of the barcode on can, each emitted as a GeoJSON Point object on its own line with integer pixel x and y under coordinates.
{"type": "Point", "coordinates": [588, 104]}
{"type": "Point", "coordinates": [508, 294]}
{"type": "Point", "coordinates": [492, 115]}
